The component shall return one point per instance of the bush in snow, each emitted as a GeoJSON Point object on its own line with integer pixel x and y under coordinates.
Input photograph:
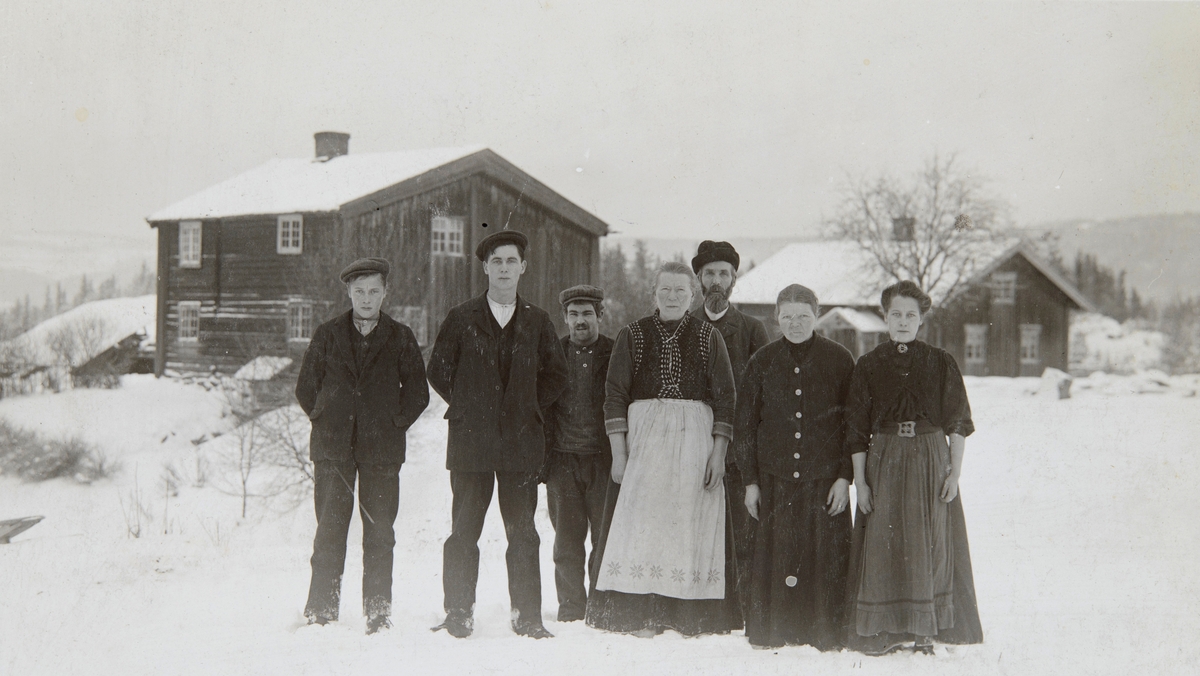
{"type": "Point", "coordinates": [35, 458]}
{"type": "Point", "coordinates": [1100, 343]}
{"type": "Point", "coordinates": [265, 457]}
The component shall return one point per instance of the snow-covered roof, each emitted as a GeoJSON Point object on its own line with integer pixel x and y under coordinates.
{"type": "Point", "coordinates": [99, 324]}
{"type": "Point", "coordinates": [307, 185]}
{"type": "Point", "coordinates": [835, 270]}
{"type": "Point", "coordinates": [262, 368]}
{"type": "Point", "coordinates": [863, 322]}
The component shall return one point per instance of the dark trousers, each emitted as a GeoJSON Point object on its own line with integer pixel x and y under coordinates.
{"type": "Point", "coordinates": [379, 497]}
{"type": "Point", "coordinates": [743, 533]}
{"type": "Point", "coordinates": [575, 490]}
{"type": "Point", "coordinates": [460, 555]}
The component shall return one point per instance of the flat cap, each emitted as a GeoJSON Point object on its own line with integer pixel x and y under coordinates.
{"type": "Point", "coordinates": [500, 239]}
{"type": "Point", "coordinates": [710, 251]}
{"type": "Point", "coordinates": [366, 266]}
{"type": "Point", "coordinates": [581, 293]}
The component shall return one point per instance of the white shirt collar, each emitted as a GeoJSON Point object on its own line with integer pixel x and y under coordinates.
{"type": "Point", "coordinates": [715, 317]}
{"type": "Point", "coordinates": [503, 312]}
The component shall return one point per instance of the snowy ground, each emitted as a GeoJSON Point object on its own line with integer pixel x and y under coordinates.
{"type": "Point", "coordinates": [1081, 515]}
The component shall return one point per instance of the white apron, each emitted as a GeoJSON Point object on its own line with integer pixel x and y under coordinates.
{"type": "Point", "coordinates": [667, 535]}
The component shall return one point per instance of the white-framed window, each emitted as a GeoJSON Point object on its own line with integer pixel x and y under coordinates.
{"type": "Point", "coordinates": [446, 236]}
{"type": "Point", "coordinates": [1004, 287]}
{"type": "Point", "coordinates": [290, 234]}
{"type": "Point", "coordinates": [1031, 340]}
{"type": "Point", "coordinates": [415, 318]}
{"type": "Point", "coordinates": [975, 347]}
{"type": "Point", "coordinates": [189, 244]}
{"type": "Point", "coordinates": [300, 320]}
{"type": "Point", "coordinates": [189, 321]}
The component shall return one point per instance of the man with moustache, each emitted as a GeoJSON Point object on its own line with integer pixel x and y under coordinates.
{"type": "Point", "coordinates": [716, 265]}
{"type": "Point", "coordinates": [362, 384]}
{"type": "Point", "coordinates": [578, 455]}
{"type": "Point", "coordinates": [498, 364]}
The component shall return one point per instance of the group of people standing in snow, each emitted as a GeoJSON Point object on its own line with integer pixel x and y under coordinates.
{"type": "Point", "coordinates": [709, 467]}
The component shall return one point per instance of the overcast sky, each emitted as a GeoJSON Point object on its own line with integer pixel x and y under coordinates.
{"type": "Point", "coordinates": [682, 119]}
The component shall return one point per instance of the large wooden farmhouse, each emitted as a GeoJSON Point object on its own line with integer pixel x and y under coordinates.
{"type": "Point", "coordinates": [247, 268]}
{"type": "Point", "coordinates": [1012, 318]}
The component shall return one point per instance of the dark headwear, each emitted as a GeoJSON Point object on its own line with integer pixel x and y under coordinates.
{"type": "Point", "coordinates": [499, 239]}
{"type": "Point", "coordinates": [364, 267]}
{"type": "Point", "coordinates": [710, 251]}
{"type": "Point", "coordinates": [581, 293]}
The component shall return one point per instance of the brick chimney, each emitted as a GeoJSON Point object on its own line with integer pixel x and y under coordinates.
{"type": "Point", "coordinates": [903, 229]}
{"type": "Point", "coordinates": [331, 144]}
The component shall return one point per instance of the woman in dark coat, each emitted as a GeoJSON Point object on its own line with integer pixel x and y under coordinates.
{"type": "Point", "coordinates": [790, 445]}
{"type": "Point", "coordinates": [910, 576]}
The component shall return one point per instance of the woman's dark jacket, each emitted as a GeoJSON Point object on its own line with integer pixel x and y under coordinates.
{"type": "Point", "coordinates": [922, 383]}
{"type": "Point", "coordinates": [494, 428]}
{"type": "Point", "coordinates": [361, 416]}
{"type": "Point", "coordinates": [774, 389]}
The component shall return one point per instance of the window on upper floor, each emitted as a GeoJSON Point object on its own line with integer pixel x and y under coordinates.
{"type": "Point", "coordinates": [1004, 288]}
{"type": "Point", "coordinates": [290, 234]}
{"type": "Point", "coordinates": [189, 244]}
{"type": "Point", "coordinates": [189, 321]}
{"type": "Point", "coordinates": [1031, 340]}
{"type": "Point", "coordinates": [446, 236]}
{"type": "Point", "coordinates": [975, 346]}
{"type": "Point", "coordinates": [300, 320]}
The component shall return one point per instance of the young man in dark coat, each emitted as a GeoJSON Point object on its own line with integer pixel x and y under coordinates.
{"type": "Point", "coordinates": [578, 455]}
{"type": "Point", "coordinates": [362, 384]}
{"type": "Point", "coordinates": [716, 265]}
{"type": "Point", "coordinates": [498, 365]}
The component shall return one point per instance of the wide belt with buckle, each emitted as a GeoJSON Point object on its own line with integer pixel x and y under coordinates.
{"type": "Point", "coordinates": [908, 428]}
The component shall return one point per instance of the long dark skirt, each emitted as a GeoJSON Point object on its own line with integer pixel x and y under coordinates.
{"type": "Point", "coordinates": [910, 564]}
{"type": "Point", "coordinates": [798, 577]}
{"type": "Point", "coordinates": [628, 613]}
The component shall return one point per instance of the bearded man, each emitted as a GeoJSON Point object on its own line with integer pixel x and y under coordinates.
{"type": "Point", "coordinates": [716, 264]}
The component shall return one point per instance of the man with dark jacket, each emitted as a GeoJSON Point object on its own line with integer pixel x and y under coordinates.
{"type": "Point", "coordinates": [498, 365]}
{"type": "Point", "coordinates": [578, 456]}
{"type": "Point", "coordinates": [362, 384]}
{"type": "Point", "coordinates": [716, 264]}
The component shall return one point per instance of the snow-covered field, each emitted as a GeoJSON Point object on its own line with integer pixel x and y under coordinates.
{"type": "Point", "coordinates": [1082, 517]}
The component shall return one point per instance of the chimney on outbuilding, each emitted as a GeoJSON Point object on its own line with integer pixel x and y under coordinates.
{"type": "Point", "coordinates": [331, 144]}
{"type": "Point", "coordinates": [904, 228]}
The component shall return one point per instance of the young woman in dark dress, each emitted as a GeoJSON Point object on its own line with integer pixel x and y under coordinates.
{"type": "Point", "coordinates": [910, 575]}
{"type": "Point", "coordinates": [789, 435]}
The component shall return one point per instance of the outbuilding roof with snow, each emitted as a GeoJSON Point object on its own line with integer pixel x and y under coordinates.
{"type": "Point", "coordinates": [863, 322]}
{"type": "Point", "coordinates": [836, 271]}
{"type": "Point", "coordinates": [94, 326]}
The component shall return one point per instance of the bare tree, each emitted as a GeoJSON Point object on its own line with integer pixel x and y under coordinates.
{"type": "Point", "coordinates": [930, 229]}
{"type": "Point", "coordinates": [80, 340]}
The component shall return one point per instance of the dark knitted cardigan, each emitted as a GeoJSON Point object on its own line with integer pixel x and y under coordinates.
{"type": "Point", "coordinates": [669, 360]}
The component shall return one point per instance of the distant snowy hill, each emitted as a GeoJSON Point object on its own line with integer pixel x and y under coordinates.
{"type": "Point", "coordinates": [107, 321]}
{"type": "Point", "coordinates": [1160, 253]}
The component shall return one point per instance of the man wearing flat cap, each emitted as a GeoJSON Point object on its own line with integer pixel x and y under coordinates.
{"type": "Point", "coordinates": [578, 455]}
{"type": "Point", "coordinates": [362, 384]}
{"type": "Point", "coordinates": [498, 364]}
{"type": "Point", "coordinates": [716, 264]}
